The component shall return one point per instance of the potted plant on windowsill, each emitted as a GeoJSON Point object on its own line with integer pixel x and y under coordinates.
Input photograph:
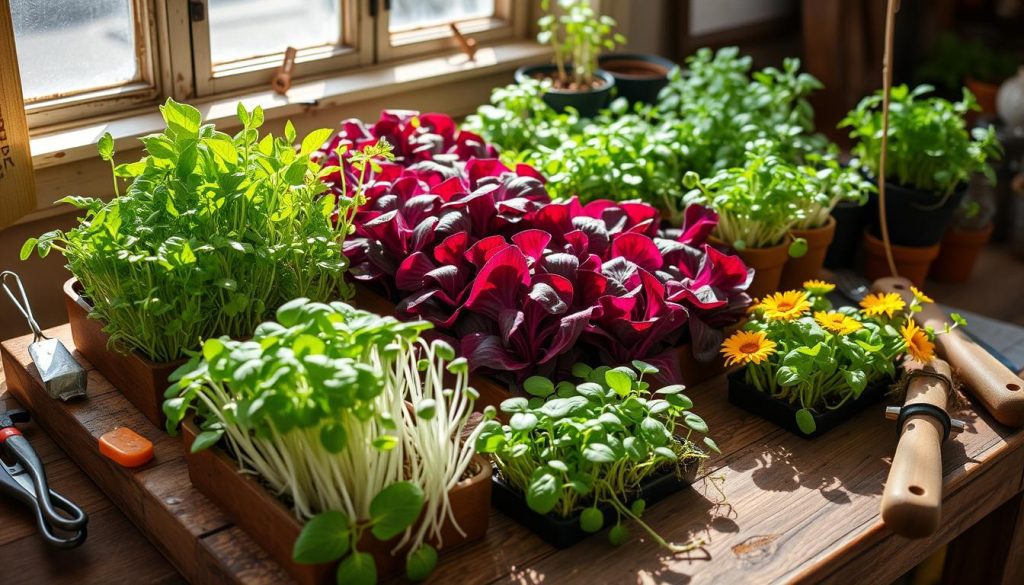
{"type": "Point", "coordinates": [580, 456]}
{"type": "Point", "coordinates": [200, 244]}
{"type": "Point", "coordinates": [967, 235]}
{"type": "Point", "coordinates": [354, 428]}
{"type": "Point", "coordinates": [577, 36]}
{"type": "Point", "coordinates": [808, 367]}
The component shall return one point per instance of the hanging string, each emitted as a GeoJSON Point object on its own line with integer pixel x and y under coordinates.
{"type": "Point", "coordinates": [890, 22]}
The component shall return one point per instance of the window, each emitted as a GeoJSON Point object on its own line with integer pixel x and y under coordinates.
{"type": "Point", "coordinates": [82, 51]}
{"type": "Point", "coordinates": [83, 58]}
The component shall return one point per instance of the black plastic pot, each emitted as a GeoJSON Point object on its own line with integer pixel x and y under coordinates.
{"type": "Point", "coordinates": [916, 218]}
{"type": "Point", "coordinates": [851, 219]}
{"type": "Point", "coordinates": [638, 77]}
{"type": "Point", "coordinates": [562, 532]}
{"type": "Point", "coordinates": [783, 413]}
{"type": "Point", "coordinates": [586, 103]}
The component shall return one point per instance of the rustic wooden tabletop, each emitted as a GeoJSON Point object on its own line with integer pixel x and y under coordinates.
{"type": "Point", "coordinates": [789, 510]}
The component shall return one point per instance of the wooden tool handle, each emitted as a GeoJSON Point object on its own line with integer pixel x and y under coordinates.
{"type": "Point", "coordinates": [282, 81]}
{"type": "Point", "coordinates": [999, 390]}
{"type": "Point", "coordinates": [912, 500]}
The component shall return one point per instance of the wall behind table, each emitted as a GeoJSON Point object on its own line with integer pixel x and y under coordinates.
{"type": "Point", "coordinates": [44, 279]}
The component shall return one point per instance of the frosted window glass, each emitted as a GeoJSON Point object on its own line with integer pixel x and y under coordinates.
{"type": "Point", "coordinates": [417, 13]}
{"type": "Point", "coordinates": [71, 46]}
{"type": "Point", "coordinates": [242, 29]}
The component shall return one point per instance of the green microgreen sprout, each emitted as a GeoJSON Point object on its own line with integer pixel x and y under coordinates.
{"type": "Point", "coordinates": [578, 448]}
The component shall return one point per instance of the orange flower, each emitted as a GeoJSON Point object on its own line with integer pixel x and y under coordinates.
{"type": "Point", "coordinates": [837, 322]}
{"type": "Point", "coordinates": [744, 347]}
{"type": "Point", "coordinates": [785, 306]}
{"type": "Point", "coordinates": [920, 348]}
{"type": "Point", "coordinates": [882, 304]}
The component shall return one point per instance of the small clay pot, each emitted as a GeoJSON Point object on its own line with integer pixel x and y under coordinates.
{"type": "Point", "coordinates": [985, 93]}
{"type": "Point", "coordinates": [766, 262]}
{"type": "Point", "coordinates": [958, 253]}
{"type": "Point", "coordinates": [638, 77]}
{"type": "Point", "coordinates": [911, 262]}
{"type": "Point", "coordinates": [797, 271]}
{"type": "Point", "coordinates": [587, 103]}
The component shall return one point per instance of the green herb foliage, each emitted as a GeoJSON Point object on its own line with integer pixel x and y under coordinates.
{"type": "Point", "coordinates": [315, 405]}
{"type": "Point", "coordinates": [930, 148]}
{"type": "Point", "coordinates": [212, 234]}
{"type": "Point", "coordinates": [575, 448]}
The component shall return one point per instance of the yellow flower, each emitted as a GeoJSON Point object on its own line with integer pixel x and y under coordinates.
{"type": "Point", "coordinates": [920, 296]}
{"type": "Point", "coordinates": [882, 303]}
{"type": "Point", "coordinates": [837, 322]}
{"type": "Point", "coordinates": [819, 287]}
{"type": "Point", "coordinates": [744, 347]}
{"type": "Point", "coordinates": [920, 348]}
{"type": "Point", "coordinates": [785, 306]}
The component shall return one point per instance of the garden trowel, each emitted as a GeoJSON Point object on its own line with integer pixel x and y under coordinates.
{"type": "Point", "coordinates": [63, 377]}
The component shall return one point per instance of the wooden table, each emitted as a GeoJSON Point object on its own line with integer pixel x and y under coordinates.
{"type": "Point", "coordinates": [796, 510]}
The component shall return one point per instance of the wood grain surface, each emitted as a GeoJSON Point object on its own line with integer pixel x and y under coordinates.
{"type": "Point", "coordinates": [793, 510]}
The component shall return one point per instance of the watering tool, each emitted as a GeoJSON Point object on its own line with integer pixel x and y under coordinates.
{"type": "Point", "coordinates": [912, 500]}
{"type": "Point", "coordinates": [992, 383]}
{"type": "Point", "coordinates": [61, 523]}
{"type": "Point", "coordinates": [62, 376]}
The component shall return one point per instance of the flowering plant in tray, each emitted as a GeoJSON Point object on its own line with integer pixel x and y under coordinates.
{"type": "Point", "coordinates": [799, 349]}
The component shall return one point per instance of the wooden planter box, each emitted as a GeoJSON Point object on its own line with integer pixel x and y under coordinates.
{"type": "Point", "coordinates": [275, 528]}
{"type": "Point", "coordinates": [140, 379]}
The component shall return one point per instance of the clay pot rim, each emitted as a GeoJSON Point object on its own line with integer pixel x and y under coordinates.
{"type": "Point", "coordinates": [962, 236]}
{"type": "Point", "coordinates": [546, 70]}
{"type": "Point", "coordinates": [875, 246]}
{"type": "Point", "coordinates": [830, 225]}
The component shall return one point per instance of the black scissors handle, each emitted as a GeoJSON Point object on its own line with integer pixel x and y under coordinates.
{"type": "Point", "coordinates": [26, 481]}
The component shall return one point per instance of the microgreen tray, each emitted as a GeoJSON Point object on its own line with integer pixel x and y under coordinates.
{"type": "Point", "coordinates": [783, 413]}
{"type": "Point", "coordinates": [561, 532]}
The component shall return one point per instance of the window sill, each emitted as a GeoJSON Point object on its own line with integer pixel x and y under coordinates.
{"type": "Point", "coordinates": [74, 143]}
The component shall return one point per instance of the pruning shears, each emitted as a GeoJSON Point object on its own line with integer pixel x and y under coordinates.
{"type": "Point", "coordinates": [61, 523]}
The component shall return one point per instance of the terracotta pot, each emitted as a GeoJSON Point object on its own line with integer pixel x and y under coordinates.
{"type": "Point", "coordinates": [911, 262]}
{"type": "Point", "coordinates": [958, 253]}
{"type": "Point", "coordinates": [273, 526]}
{"type": "Point", "coordinates": [797, 271]}
{"type": "Point", "coordinates": [985, 93]}
{"type": "Point", "coordinates": [141, 380]}
{"type": "Point", "coordinates": [766, 262]}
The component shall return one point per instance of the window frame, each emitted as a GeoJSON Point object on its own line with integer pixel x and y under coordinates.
{"type": "Point", "coordinates": [508, 22]}
{"type": "Point", "coordinates": [355, 50]}
{"type": "Point", "coordinates": [53, 111]}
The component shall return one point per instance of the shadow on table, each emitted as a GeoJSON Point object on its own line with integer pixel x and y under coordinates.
{"type": "Point", "coordinates": [694, 516]}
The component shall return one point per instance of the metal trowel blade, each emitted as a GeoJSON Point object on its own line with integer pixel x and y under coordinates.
{"type": "Point", "coordinates": [62, 376]}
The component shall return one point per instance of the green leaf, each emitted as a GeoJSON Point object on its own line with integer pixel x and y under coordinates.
{"type": "Point", "coordinates": [385, 442]}
{"type": "Point", "coordinates": [544, 491]}
{"type": "Point", "coordinates": [28, 247]}
{"type": "Point", "coordinates": [243, 115]}
{"type": "Point", "coordinates": [654, 432]}
{"type": "Point", "coordinates": [538, 386]}
{"type": "Point", "coordinates": [591, 520]}
{"type": "Point", "coordinates": [334, 437]}
{"type": "Point", "coordinates": [106, 147]}
{"type": "Point", "coordinates": [711, 444]}
{"type": "Point", "coordinates": [289, 132]}
{"type": "Point", "coordinates": [523, 421]}
{"type": "Point", "coordinates": [325, 537]}
{"type": "Point", "coordinates": [805, 421]}
{"type": "Point", "coordinates": [223, 147]}
{"type": "Point", "coordinates": [599, 453]}
{"type": "Point", "coordinates": [426, 409]}
{"type": "Point", "coordinates": [797, 248]}
{"type": "Point", "coordinates": [644, 367]}
{"type": "Point", "coordinates": [358, 568]}
{"type": "Point", "coordinates": [205, 440]}
{"type": "Point", "coordinates": [695, 422]}
{"type": "Point", "coordinates": [421, 563]}
{"type": "Point", "coordinates": [619, 381]}
{"type": "Point", "coordinates": [671, 389]}
{"type": "Point", "coordinates": [394, 509]}
{"type": "Point", "coordinates": [958, 319]}
{"type": "Point", "coordinates": [314, 140]}
{"type": "Point", "coordinates": [182, 119]}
